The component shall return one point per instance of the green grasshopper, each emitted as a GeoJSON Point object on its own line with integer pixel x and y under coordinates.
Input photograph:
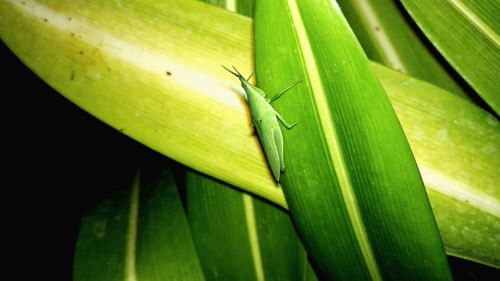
{"type": "Point", "coordinates": [264, 119]}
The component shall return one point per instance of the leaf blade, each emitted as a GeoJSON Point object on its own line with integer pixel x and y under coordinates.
{"type": "Point", "coordinates": [466, 34]}
{"type": "Point", "coordinates": [332, 139]}
{"type": "Point", "coordinates": [239, 237]}
{"type": "Point", "coordinates": [351, 144]}
{"type": "Point", "coordinates": [165, 246]}
{"type": "Point", "coordinates": [388, 38]}
{"type": "Point", "coordinates": [139, 233]}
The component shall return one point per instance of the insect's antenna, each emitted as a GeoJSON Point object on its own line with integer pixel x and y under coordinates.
{"type": "Point", "coordinates": [239, 74]}
{"type": "Point", "coordinates": [250, 76]}
{"type": "Point", "coordinates": [232, 72]}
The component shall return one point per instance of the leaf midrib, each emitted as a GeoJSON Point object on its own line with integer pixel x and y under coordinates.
{"type": "Point", "coordinates": [335, 151]}
{"type": "Point", "coordinates": [131, 247]}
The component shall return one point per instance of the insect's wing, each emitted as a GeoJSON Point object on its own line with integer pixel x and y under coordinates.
{"type": "Point", "coordinates": [272, 142]}
{"type": "Point", "coordinates": [273, 157]}
{"type": "Point", "coordinates": [278, 140]}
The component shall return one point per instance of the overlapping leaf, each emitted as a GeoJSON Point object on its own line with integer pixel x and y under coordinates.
{"type": "Point", "coordinates": [140, 233]}
{"type": "Point", "coordinates": [351, 182]}
{"type": "Point", "coordinates": [388, 38]}
{"type": "Point", "coordinates": [467, 34]}
{"type": "Point", "coordinates": [239, 237]}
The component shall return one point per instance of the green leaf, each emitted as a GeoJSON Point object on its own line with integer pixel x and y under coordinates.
{"type": "Point", "coordinates": [388, 38]}
{"type": "Point", "coordinates": [220, 229]}
{"type": "Point", "coordinates": [140, 233]}
{"type": "Point", "coordinates": [165, 248]}
{"type": "Point", "coordinates": [351, 182]}
{"type": "Point", "coordinates": [283, 255]}
{"type": "Point", "coordinates": [102, 247]}
{"type": "Point", "coordinates": [466, 34]}
{"type": "Point", "coordinates": [239, 237]}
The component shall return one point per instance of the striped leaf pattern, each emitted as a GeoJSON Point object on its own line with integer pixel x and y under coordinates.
{"type": "Point", "coordinates": [466, 33]}
{"type": "Point", "coordinates": [351, 182]}
{"type": "Point", "coordinates": [239, 237]}
{"type": "Point", "coordinates": [388, 37]}
{"type": "Point", "coordinates": [139, 233]}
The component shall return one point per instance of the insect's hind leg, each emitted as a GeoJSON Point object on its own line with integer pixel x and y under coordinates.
{"type": "Point", "coordinates": [287, 125]}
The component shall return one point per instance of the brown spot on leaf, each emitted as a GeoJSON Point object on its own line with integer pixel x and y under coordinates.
{"type": "Point", "coordinates": [168, 73]}
{"type": "Point", "coordinates": [45, 20]}
{"type": "Point", "coordinates": [377, 28]}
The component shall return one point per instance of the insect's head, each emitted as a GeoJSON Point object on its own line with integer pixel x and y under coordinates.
{"type": "Point", "coordinates": [238, 75]}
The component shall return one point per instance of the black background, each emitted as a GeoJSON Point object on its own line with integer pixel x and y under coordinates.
{"type": "Point", "coordinates": [59, 161]}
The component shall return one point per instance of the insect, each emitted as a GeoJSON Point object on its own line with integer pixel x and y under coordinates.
{"type": "Point", "coordinates": [264, 119]}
